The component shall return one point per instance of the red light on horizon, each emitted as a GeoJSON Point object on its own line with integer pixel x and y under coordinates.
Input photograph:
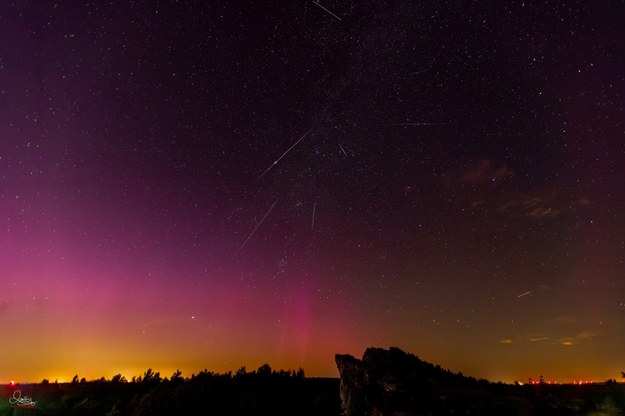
{"type": "Point", "coordinates": [12, 383]}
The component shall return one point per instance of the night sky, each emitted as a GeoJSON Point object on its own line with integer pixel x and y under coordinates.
{"type": "Point", "coordinates": [193, 185]}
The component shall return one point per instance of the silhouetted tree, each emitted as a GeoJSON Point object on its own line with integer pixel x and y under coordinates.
{"type": "Point", "coordinates": [264, 370]}
{"type": "Point", "coordinates": [75, 379]}
{"type": "Point", "coordinates": [118, 378]}
{"type": "Point", "coordinates": [176, 377]}
{"type": "Point", "coordinates": [150, 377]}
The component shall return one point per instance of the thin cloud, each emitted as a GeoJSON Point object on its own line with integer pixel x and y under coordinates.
{"type": "Point", "coordinates": [540, 204]}
{"type": "Point", "coordinates": [563, 341]}
{"type": "Point", "coordinates": [587, 335]}
{"type": "Point", "coordinates": [543, 212]}
{"type": "Point", "coordinates": [532, 206]}
{"type": "Point", "coordinates": [484, 171]}
{"type": "Point", "coordinates": [564, 319]}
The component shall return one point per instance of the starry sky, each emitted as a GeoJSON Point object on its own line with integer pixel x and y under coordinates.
{"type": "Point", "coordinates": [189, 184]}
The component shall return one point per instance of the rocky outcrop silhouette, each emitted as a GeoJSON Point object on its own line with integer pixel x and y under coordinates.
{"type": "Point", "coordinates": [351, 373]}
{"type": "Point", "coordinates": [394, 383]}
{"type": "Point", "coordinates": [391, 382]}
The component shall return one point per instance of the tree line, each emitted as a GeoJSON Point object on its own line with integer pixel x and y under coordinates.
{"type": "Point", "coordinates": [257, 392]}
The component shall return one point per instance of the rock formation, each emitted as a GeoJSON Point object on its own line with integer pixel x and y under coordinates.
{"type": "Point", "coordinates": [386, 382]}
{"type": "Point", "coordinates": [394, 383]}
{"type": "Point", "coordinates": [352, 378]}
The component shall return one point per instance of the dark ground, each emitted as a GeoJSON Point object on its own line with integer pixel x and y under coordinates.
{"type": "Point", "coordinates": [206, 393]}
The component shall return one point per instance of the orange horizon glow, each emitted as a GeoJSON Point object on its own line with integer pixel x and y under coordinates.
{"type": "Point", "coordinates": [166, 372]}
{"type": "Point", "coordinates": [113, 333]}
{"type": "Point", "coordinates": [108, 363]}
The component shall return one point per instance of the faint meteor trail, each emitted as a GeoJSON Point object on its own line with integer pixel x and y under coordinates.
{"type": "Point", "coordinates": [343, 150]}
{"type": "Point", "coordinates": [285, 153]}
{"type": "Point", "coordinates": [254, 230]}
{"type": "Point", "coordinates": [524, 294]}
{"type": "Point", "coordinates": [414, 124]}
{"type": "Point", "coordinates": [328, 11]}
{"type": "Point", "coordinates": [313, 216]}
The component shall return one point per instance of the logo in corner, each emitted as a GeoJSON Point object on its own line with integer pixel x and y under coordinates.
{"type": "Point", "coordinates": [20, 402]}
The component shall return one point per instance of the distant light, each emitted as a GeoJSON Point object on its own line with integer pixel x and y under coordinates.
{"type": "Point", "coordinates": [12, 383]}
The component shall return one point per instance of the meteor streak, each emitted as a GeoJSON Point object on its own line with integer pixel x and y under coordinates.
{"type": "Point", "coordinates": [328, 11]}
{"type": "Point", "coordinates": [414, 124]}
{"type": "Point", "coordinates": [284, 154]}
{"type": "Point", "coordinates": [253, 231]}
{"type": "Point", "coordinates": [343, 150]}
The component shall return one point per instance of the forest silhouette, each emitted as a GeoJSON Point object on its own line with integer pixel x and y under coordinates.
{"type": "Point", "coordinates": [388, 382]}
{"type": "Point", "coordinates": [263, 391]}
